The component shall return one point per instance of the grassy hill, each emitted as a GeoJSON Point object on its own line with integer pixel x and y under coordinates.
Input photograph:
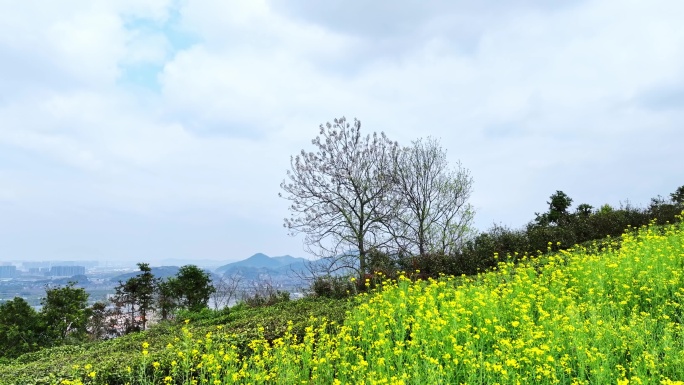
{"type": "Point", "coordinates": [593, 315]}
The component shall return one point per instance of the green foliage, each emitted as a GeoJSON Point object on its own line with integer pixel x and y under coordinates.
{"type": "Point", "coordinates": [379, 261]}
{"type": "Point", "coordinates": [558, 209]}
{"type": "Point", "coordinates": [558, 229]}
{"type": "Point", "coordinates": [267, 297]}
{"type": "Point", "coordinates": [112, 357]}
{"type": "Point", "coordinates": [145, 284]}
{"type": "Point", "coordinates": [136, 297]}
{"type": "Point", "coordinates": [65, 312]}
{"type": "Point", "coordinates": [481, 252]}
{"type": "Point", "coordinates": [191, 287]}
{"type": "Point", "coordinates": [333, 287]}
{"type": "Point", "coordinates": [20, 328]}
{"type": "Point", "coordinates": [100, 325]}
{"type": "Point", "coordinates": [167, 302]}
{"type": "Point", "coordinates": [584, 210]}
{"type": "Point", "coordinates": [189, 290]}
{"type": "Point", "coordinates": [678, 196]}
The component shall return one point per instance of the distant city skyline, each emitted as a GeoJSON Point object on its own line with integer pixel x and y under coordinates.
{"type": "Point", "coordinates": [161, 130]}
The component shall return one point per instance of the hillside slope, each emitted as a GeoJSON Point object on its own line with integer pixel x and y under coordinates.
{"type": "Point", "coordinates": [582, 316]}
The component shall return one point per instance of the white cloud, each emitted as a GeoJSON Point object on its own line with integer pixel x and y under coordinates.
{"type": "Point", "coordinates": [532, 98]}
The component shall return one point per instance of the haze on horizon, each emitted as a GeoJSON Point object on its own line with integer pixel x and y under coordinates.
{"type": "Point", "coordinates": [161, 129]}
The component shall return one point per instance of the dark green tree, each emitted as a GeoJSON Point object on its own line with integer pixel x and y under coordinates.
{"type": "Point", "coordinates": [167, 300]}
{"type": "Point", "coordinates": [125, 304]}
{"type": "Point", "coordinates": [136, 297]}
{"type": "Point", "coordinates": [146, 287]}
{"type": "Point", "coordinates": [100, 324]}
{"type": "Point", "coordinates": [678, 196]}
{"type": "Point", "coordinates": [192, 287]}
{"type": "Point", "coordinates": [65, 312]}
{"type": "Point", "coordinates": [584, 210]}
{"type": "Point", "coordinates": [20, 328]}
{"type": "Point", "coordinates": [558, 210]}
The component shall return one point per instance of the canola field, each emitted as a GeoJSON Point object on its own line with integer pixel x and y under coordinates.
{"type": "Point", "coordinates": [584, 316]}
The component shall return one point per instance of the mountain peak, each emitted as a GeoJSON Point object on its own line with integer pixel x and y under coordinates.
{"type": "Point", "coordinates": [261, 260]}
{"type": "Point", "coordinates": [258, 256]}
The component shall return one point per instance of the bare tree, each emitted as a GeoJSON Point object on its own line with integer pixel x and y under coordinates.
{"type": "Point", "coordinates": [226, 290]}
{"type": "Point", "coordinates": [434, 215]}
{"type": "Point", "coordinates": [340, 194]}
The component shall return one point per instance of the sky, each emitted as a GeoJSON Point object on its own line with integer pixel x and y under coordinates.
{"type": "Point", "coordinates": [150, 130]}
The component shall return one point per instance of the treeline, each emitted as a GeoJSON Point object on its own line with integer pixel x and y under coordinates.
{"type": "Point", "coordinates": [560, 227]}
{"type": "Point", "coordinates": [66, 318]}
{"type": "Point", "coordinates": [140, 296]}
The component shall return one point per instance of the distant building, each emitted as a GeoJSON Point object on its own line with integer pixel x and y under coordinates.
{"type": "Point", "coordinates": [67, 271]}
{"type": "Point", "coordinates": [8, 271]}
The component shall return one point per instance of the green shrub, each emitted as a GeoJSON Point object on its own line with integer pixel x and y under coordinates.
{"type": "Point", "coordinates": [333, 287]}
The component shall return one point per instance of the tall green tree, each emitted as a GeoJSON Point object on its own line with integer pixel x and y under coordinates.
{"type": "Point", "coordinates": [65, 312]}
{"type": "Point", "coordinates": [193, 287]}
{"type": "Point", "coordinates": [558, 213]}
{"type": "Point", "coordinates": [146, 286]}
{"type": "Point", "coordinates": [20, 328]}
{"type": "Point", "coordinates": [100, 324]}
{"type": "Point", "coordinates": [167, 299]}
{"type": "Point", "coordinates": [136, 298]}
{"type": "Point", "coordinates": [678, 196]}
{"type": "Point", "coordinates": [189, 289]}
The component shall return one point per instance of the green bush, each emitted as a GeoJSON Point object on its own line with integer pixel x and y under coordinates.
{"type": "Point", "coordinates": [267, 297]}
{"type": "Point", "coordinates": [333, 287]}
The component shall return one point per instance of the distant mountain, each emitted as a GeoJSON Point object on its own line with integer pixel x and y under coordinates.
{"type": "Point", "coordinates": [260, 266]}
{"type": "Point", "coordinates": [263, 261]}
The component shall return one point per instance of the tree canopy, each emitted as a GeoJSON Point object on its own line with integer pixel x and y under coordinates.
{"type": "Point", "coordinates": [190, 288]}
{"type": "Point", "coordinates": [67, 312]}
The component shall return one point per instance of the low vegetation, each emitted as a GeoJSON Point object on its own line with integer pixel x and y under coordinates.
{"type": "Point", "coordinates": [110, 359]}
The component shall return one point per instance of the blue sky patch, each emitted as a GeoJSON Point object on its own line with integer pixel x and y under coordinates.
{"type": "Point", "coordinates": [146, 74]}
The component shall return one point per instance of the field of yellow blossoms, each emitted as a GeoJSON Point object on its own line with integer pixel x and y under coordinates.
{"type": "Point", "coordinates": [585, 316]}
